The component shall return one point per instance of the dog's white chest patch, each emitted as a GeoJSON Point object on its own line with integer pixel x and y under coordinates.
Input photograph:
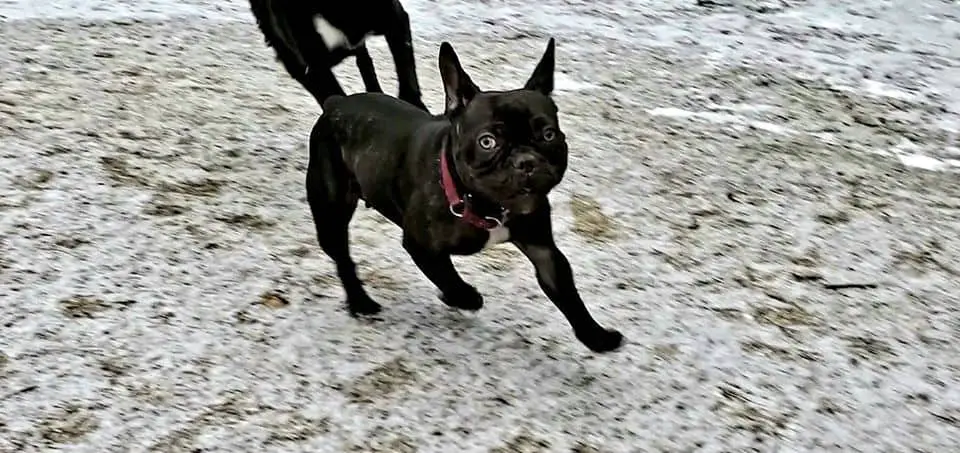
{"type": "Point", "coordinates": [498, 235]}
{"type": "Point", "coordinates": [332, 36]}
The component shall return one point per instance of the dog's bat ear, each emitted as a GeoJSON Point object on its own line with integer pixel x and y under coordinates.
{"type": "Point", "coordinates": [542, 78]}
{"type": "Point", "coordinates": [457, 85]}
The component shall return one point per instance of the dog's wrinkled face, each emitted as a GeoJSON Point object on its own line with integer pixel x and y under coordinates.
{"type": "Point", "coordinates": [507, 145]}
{"type": "Point", "coordinates": [510, 148]}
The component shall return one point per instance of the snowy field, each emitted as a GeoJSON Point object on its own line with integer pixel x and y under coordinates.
{"type": "Point", "coordinates": [763, 197]}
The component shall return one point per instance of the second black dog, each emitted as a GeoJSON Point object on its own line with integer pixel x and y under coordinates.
{"type": "Point", "coordinates": [310, 37]}
{"type": "Point", "coordinates": [455, 183]}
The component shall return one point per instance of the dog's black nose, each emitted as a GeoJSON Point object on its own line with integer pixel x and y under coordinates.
{"type": "Point", "coordinates": [527, 164]}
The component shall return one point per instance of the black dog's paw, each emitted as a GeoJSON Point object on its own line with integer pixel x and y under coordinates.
{"type": "Point", "coordinates": [465, 298]}
{"type": "Point", "coordinates": [602, 340]}
{"type": "Point", "coordinates": [363, 306]}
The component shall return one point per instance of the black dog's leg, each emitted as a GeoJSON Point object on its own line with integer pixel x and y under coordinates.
{"type": "Point", "coordinates": [401, 47]}
{"type": "Point", "coordinates": [320, 81]}
{"type": "Point", "coordinates": [367, 71]}
{"type": "Point", "coordinates": [333, 200]}
{"type": "Point", "coordinates": [535, 239]}
{"type": "Point", "coordinates": [439, 269]}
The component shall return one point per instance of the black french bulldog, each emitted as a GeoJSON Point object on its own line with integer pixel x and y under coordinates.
{"type": "Point", "coordinates": [310, 37]}
{"type": "Point", "coordinates": [455, 183]}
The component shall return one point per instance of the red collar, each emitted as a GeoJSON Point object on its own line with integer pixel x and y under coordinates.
{"type": "Point", "coordinates": [460, 206]}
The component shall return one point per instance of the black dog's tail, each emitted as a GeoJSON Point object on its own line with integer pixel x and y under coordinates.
{"type": "Point", "coordinates": [287, 27]}
{"type": "Point", "coordinates": [273, 20]}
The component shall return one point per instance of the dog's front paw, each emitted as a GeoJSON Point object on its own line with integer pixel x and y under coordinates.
{"type": "Point", "coordinates": [363, 306]}
{"type": "Point", "coordinates": [601, 340]}
{"type": "Point", "coordinates": [465, 298]}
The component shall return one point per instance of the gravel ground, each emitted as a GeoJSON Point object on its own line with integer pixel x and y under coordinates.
{"type": "Point", "coordinates": [762, 197]}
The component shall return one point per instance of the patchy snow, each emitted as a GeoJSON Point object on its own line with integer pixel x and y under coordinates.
{"type": "Point", "coordinates": [720, 118]}
{"type": "Point", "coordinates": [923, 162]}
{"type": "Point", "coordinates": [673, 112]}
{"type": "Point", "coordinates": [163, 290]}
{"type": "Point", "coordinates": [740, 107]}
{"type": "Point", "coordinates": [885, 90]}
{"type": "Point", "coordinates": [565, 83]}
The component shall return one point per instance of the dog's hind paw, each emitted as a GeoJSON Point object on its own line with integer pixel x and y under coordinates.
{"type": "Point", "coordinates": [363, 306]}
{"type": "Point", "coordinates": [602, 340]}
{"type": "Point", "coordinates": [466, 298]}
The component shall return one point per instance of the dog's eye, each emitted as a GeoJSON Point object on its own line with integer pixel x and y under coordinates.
{"type": "Point", "coordinates": [487, 141]}
{"type": "Point", "coordinates": [549, 134]}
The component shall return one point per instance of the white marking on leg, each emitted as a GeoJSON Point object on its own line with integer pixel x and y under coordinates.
{"type": "Point", "coordinates": [332, 36]}
{"type": "Point", "coordinates": [498, 235]}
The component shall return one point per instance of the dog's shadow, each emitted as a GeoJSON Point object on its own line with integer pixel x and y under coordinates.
{"type": "Point", "coordinates": [500, 359]}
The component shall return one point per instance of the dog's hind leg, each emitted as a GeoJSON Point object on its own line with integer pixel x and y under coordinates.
{"type": "Point", "coordinates": [320, 81]}
{"type": "Point", "coordinates": [401, 47]}
{"type": "Point", "coordinates": [332, 194]}
{"type": "Point", "coordinates": [367, 71]}
{"type": "Point", "coordinates": [317, 71]}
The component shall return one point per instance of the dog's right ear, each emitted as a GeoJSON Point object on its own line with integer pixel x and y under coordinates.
{"type": "Point", "coordinates": [542, 78]}
{"type": "Point", "coordinates": [457, 85]}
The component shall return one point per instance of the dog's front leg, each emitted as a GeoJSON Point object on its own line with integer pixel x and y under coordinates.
{"type": "Point", "coordinates": [401, 47]}
{"type": "Point", "coordinates": [535, 240]}
{"type": "Point", "coordinates": [439, 269]}
{"type": "Point", "coordinates": [367, 71]}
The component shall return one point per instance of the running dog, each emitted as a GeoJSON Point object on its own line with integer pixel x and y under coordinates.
{"type": "Point", "coordinates": [456, 183]}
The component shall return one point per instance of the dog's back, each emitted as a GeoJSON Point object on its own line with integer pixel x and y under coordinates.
{"type": "Point", "coordinates": [362, 133]}
{"type": "Point", "coordinates": [365, 124]}
{"type": "Point", "coordinates": [377, 107]}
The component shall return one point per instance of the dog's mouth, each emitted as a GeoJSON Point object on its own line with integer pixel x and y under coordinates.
{"type": "Point", "coordinates": [522, 195]}
{"type": "Point", "coordinates": [524, 203]}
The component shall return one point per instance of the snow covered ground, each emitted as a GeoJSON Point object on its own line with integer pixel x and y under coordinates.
{"type": "Point", "coordinates": [763, 197]}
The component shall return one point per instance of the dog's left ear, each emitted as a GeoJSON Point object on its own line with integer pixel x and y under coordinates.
{"type": "Point", "coordinates": [542, 78]}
